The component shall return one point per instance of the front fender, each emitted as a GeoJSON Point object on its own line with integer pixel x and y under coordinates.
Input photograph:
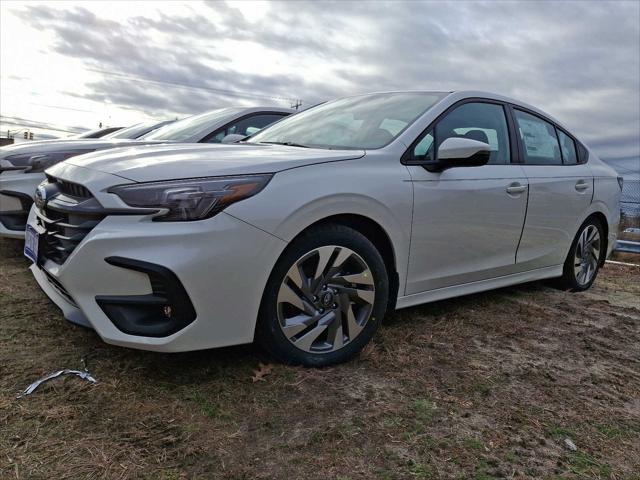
{"type": "Point", "coordinates": [300, 197]}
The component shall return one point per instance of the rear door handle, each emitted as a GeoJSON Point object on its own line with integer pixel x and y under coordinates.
{"type": "Point", "coordinates": [582, 185]}
{"type": "Point", "coordinates": [515, 188]}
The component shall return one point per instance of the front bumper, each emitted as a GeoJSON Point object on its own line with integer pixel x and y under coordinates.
{"type": "Point", "coordinates": [16, 197]}
{"type": "Point", "coordinates": [222, 263]}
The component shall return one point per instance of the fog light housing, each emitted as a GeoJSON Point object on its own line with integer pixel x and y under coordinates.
{"type": "Point", "coordinates": [167, 310]}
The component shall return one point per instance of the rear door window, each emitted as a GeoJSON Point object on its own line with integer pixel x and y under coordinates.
{"type": "Point", "coordinates": [539, 140]}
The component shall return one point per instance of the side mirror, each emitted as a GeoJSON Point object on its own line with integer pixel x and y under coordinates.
{"type": "Point", "coordinates": [460, 152]}
{"type": "Point", "coordinates": [233, 138]}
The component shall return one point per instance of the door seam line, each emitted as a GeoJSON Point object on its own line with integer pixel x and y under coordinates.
{"type": "Point", "coordinates": [413, 207]}
{"type": "Point", "coordinates": [524, 222]}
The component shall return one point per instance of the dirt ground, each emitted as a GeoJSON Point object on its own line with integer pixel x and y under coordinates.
{"type": "Point", "coordinates": [480, 387]}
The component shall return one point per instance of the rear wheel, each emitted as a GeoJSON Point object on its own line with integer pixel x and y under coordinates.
{"type": "Point", "coordinates": [584, 258]}
{"type": "Point", "coordinates": [325, 298]}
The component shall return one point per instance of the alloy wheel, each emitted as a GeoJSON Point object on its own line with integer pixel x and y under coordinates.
{"type": "Point", "coordinates": [587, 255]}
{"type": "Point", "coordinates": [325, 299]}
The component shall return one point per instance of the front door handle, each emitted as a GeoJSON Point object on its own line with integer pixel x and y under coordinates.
{"type": "Point", "coordinates": [516, 188]}
{"type": "Point", "coordinates": [582, 185]}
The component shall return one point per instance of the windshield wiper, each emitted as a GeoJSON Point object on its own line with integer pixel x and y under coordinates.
{"type": "Point", "coordinates": [288, 144]}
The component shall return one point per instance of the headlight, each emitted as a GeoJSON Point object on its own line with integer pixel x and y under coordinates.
{"type": "Point", "coordinates": [35, 163]}
{"type": "Point", "coordinates": [191, 199]}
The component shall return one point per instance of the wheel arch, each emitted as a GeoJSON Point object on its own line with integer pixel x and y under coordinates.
{"type": "Point", "coordinates": [607, 218]}
{"type": "Point", "coordinates": [377, 235]}
{"type": "Point", "coordinates": [602, 218]}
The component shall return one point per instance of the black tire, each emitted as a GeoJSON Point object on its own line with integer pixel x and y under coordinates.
{"type": "Point", "coordinates": [269, 333]}
{"type": "Point", "coordinates": [569, 280]}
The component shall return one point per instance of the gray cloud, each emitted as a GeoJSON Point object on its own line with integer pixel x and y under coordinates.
{"type": "Point", "coordinates": [580, 61]}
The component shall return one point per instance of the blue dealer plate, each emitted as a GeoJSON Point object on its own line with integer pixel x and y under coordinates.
{"type": "Point", "coordinates": [31, 238]}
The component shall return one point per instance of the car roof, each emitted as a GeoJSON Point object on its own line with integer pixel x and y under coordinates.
{"type": "Point", "coordinates": [503, 98]}
{"type": "Point", "coordinates": [463, 94]}
{"type": "Point", "coordinates": [267, 109]}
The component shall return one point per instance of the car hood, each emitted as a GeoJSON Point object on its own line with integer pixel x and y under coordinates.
{"type": "Point", "coordinates": [166, 162]}
{"type": "Point", "coordinates": [56, 146]}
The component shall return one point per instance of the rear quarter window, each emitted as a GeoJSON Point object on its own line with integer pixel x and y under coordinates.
{"type": "Point", "coordinates": [568, 147]}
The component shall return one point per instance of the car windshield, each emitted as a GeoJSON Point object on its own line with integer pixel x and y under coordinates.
{"type": "Point", "coordinates": [362, 122]}
{"type": "Point", "coordinates": [188, 127]}
{"type": "Point", "coordinates": [135, 131]}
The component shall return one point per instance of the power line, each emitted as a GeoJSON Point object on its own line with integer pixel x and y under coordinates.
{"type": "Point", "coordinates": [61, 108]}
{"type": "Point", "coordinates": [233, 93]}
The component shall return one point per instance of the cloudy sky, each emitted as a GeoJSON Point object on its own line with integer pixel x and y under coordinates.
{"type": "Point", "coordinates": [71, 65]}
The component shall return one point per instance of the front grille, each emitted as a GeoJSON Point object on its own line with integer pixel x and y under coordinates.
{"type": "Point", "coordinates": [66, 218]}
{"type": "Point", "coordinates": [74, 189]}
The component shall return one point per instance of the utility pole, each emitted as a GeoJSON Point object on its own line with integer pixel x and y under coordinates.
{"type": "Point", "coordinates": [297, 105]}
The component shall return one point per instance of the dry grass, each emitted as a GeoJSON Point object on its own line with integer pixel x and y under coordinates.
{"type": "Point", "coordinates": [485, 386]}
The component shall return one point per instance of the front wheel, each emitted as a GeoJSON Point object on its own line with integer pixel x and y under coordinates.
{"type": "Point", "coordinates": [325, 298]}
{"type": "Point", "coordinates": [584, 258]}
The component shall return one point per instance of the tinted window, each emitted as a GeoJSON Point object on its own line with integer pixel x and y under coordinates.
{"type": "Point", "coordinates": [485, 122]}
{"type": "Point", "coordinates": [246, 126]}
{"type": "Point", "coordinates": [568, 147]}
{"type": "Point", "coordinates": [539, 140]}
{"type": "Point", "coordinates": [365, 121]}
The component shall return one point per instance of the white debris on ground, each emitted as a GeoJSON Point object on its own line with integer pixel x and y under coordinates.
{"type": "Point", "coordinates": [30, 389]}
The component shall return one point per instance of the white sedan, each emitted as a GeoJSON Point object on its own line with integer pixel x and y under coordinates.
{"type": "Point", "coordinates": [22, 165]}
{"type": "Point", "coordinates": [304, 236]}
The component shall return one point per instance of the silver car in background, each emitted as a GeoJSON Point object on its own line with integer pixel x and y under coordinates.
{"type": "Point", "coordinates": [22, 165]}
{"type": "Point", "coordinates": [304, 236]}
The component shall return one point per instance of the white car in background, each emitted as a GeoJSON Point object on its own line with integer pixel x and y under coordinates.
{"type": "Point", "coordinates": [304, 236]}
{"type": "Point", "coordinates": [22, 165]}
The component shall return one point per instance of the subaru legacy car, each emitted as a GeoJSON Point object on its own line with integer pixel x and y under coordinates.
{"type": "Point", "coordinates": [306, 234]}
{"type": "Point", "coordinates": [22, 166]}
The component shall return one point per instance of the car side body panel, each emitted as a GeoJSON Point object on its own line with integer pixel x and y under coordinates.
{"type": "Point", "coordinates": [466, 225]}
{"type": "Point", "coordinates": [375, 187]}
{"type": "Point", "coordinates": [606, 197]}
{"type": "Point", "coordinates": [559, 197]}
